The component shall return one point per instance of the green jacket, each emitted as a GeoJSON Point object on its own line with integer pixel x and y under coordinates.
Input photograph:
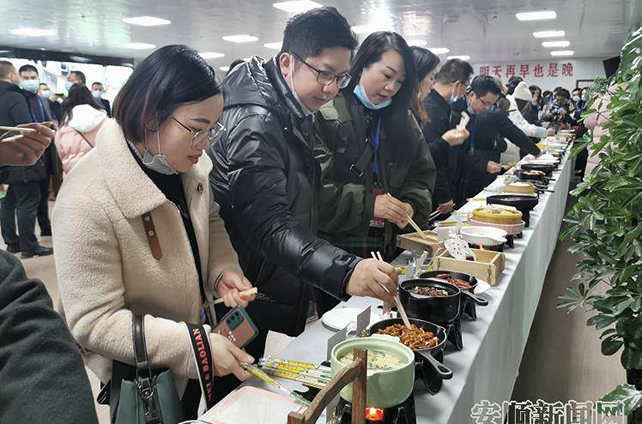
{"type": "Point", "coordinates": [347, 200]}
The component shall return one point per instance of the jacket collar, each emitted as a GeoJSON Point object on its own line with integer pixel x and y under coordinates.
{"type": "Point", "coordinates": [7, 86]}
{"type": "Point", "coordinates": [281, 87]}
{"type": "Point", "coordinates": [436, 97]}
{"type": "Point", "coordinates": [133, 191]}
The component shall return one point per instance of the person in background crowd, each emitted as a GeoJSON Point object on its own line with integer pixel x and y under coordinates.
{"type": "Point", "coordinates": [55, 103]}
{"type": "Point", "coordinates": [43, 377]}
{"type": "Point", "coordinates": [521, 101]}
{"type": "Point", "coordinates": [513, 82]}
{"type": "Point", "coordinates": [577, 105]}
{"type": "Point", "coordinates": [371, 190]}
{"type": "Point", "coordinates": [81, 120]}
{"type": "Point", "coordinates": [577, 108]}
{"type": "Point", "coordinates": [75, 77]}
{"type": "Point", "coordinates": [98, 91]}
{"type": "Point", "coordinates": [23, 196]}
{"type": "Point", "coordinates": [45, 92]}
{"type": "Point", "coordinates": [267, 179]}
{"type": "Point", "coordinates": [40, 112]}
{"type": "Point", "coordinates": [443, 139]}
{"type": "Point", "coordinates": [234, 64]}
{"type": "Point", "coordinates": [480, 155]}
{"type": "Point", "coordinates": [148, 171]}
{"type": "Point", "coordinates": [427, 66]}
{"type": "Point", "coordinates": [531, 113]}
{"type": "Point", "coordinates": [558, 113]}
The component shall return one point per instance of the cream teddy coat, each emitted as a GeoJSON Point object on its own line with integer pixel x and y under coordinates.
{"type": "Point", "coordinates": [105, 266]}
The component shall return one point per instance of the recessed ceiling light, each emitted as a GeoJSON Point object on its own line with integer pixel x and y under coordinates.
{"type": "Point", "coordinates": [556, 43]}
{"type": "Point", "coordinates": [81, 59]}
{"type": "Point", "coordinates": [367, 29]}
{"type": "Point", "coordinates": [146, 21]}
{"type": "Point", "coordinates": [548, 34]}
{"type": "Point", "coordinates": [296, 6]}
{"type": "Point", "coordinates": [536, 16]}
{"type": "Point", "coordinates": [462, 57]}
{"type": "Point", "coordinates": [211, 55]}
{"type": "Point", "coordinates": [224, 68]}
{"type": "Point", "coordinates": [139, 46]}
{"type": "Point", "coordinates": [273, 46]}
{"type": "Point", "coordinates": [241, 38]}
{"type": "Point", "coordinates": [417, 42]}
{"type": "Point", "coordinates": [439, 50]}
{"type": "Point", "coordinates": [563, 53]}
{"type": "Point", "coordinates": [33, 32]}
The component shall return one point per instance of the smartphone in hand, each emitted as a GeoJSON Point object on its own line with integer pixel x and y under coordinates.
{"type": "Point", "coordinates": [237, 326]}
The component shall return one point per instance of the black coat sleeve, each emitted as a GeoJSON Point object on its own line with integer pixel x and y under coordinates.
{"type": "Point", "coordinates": [439, 150]}
{"type": "Point", "coordinates": [258, 190]}
{"type": "Point", "coordinates": [42, 374]}
{"type": "Point", "coordinates": [515, 135]}
{"type": "Point", "coordinates": [18, 108]}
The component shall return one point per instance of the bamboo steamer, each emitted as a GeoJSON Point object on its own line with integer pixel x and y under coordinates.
{"type": "Point", "coordinates": [521, 187]}
{"type": "Point", "coordinates": [497, 214]}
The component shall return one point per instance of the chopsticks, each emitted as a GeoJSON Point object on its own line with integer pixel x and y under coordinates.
{"type": "Point", "coordinates": [24, 129]}
{"type": "Point", "coordinates": [415, 226]}
{"type": "Point", "coordinates": [379, 259]}
{"type": "Point", "coordinates": [253, 290]}
{"type": "Point", "coordinates": [400, 308]}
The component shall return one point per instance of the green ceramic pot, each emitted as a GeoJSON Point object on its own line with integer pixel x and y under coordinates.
{"type": "Point", "coordinates": [385, 388]}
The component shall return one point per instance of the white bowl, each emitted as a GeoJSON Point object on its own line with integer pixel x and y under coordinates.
{"type": "Point", "coordinates": [484, 236]}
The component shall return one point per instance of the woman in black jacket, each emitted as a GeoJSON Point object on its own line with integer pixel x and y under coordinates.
{"type": "Point", "coordinates": [377, 170]}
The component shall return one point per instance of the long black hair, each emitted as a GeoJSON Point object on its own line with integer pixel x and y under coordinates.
{"type": "Point", "coordinates": [373, 47]}
{"type": "Point", "coordinates": [425, 62]}
{"type": "Point", "coordinates": [168, 78]}
{"type": "Point", "coordinates": [78, 95]}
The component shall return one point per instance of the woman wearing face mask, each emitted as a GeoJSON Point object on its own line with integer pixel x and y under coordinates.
{"type": "Point", "coordinates": [138, 233]}
{"type": "Point", "coordinates": [426, 64]}
{"type": "Point", "coordinates": [377, 169]}
{"type": "Point", "coordinates": [82, 118]}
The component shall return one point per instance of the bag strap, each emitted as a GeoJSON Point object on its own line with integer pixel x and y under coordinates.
{"type": "Point", "coordinates": [145, 383]}
{"type": "Point", "coordinates": [84, 138]}
{"type": "Point", "coordinates": [204, 363]}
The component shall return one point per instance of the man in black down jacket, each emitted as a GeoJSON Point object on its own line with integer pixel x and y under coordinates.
{"type": "Point", "coordinates": [266, 178]}
{"type": "Point", "coordinates": [479, 157]}
{"type": "Point", "coordinates": [42, 374]}
{"type": "Point", "coordinates": [23, 197]}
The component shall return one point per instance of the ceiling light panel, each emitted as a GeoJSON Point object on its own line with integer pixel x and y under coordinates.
{"type": "Point", "coordinates": [562, 43]}
{"type": "Point", "coordinates": [296, 6]}
{"type": "Point", "coordinates": [33, 32]}
{"type": "Point", "coordinates": [241, 38]}
{"type": "Point", "coordinates": [146, 21]}
{"type": "Point", "coordinates": [563, 53]}
{"type": "Point", "coordinates": [211, 55]}
{"type": "Point", "coordinates": [537, 16]}
{"type": "Point", "coordinates": [548, 34]}
{"type": "Point", "coordinates": [139, 46]}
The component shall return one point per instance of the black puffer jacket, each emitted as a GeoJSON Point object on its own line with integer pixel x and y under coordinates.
{"type": "Point", "coordinates": [267, 181]}
{"type": "Point", "coordinates": [14, 110]}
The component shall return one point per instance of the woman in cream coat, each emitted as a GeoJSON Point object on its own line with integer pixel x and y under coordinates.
{"type": "Point", "coordinates": [135, 225]}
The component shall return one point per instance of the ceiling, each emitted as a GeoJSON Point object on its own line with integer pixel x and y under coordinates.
{"type": "Point", "coordinates": [486, 30]}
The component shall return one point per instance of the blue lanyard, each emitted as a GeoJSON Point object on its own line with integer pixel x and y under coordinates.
{"type": "Point", "coordinates": [42, 111]}
{"type": "Point", "coordinates": [375, 145]}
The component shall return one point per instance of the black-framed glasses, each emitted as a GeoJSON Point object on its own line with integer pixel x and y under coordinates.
{"type": "Point", "coordinates": [486, 103]}
{"type": "Point", "coordinates": [326, 78]}
{"type": "Point", "coordinates": [202, 139]}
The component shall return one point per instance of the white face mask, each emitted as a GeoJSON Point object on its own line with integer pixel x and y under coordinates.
{"type": "Point", "coordinates": [46, 94]}
{"type": "Point", "coordinates": [157, 162]}
{"type": "Point", "coordinates": [576, 99]}
{"type": "Point", "coordinates": [97, 93]}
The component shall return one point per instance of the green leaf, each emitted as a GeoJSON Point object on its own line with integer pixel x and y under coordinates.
{"type": "Point", "coordinates": [607, 332]}
{"type": "Point", "coordinates": [628, 395]}
{"type": "Point", "coordinates": [631, 358]}
{"type": "Point", "coordinates": [600, 321]}
{"type": "Point", "coordinates": [610, 345]}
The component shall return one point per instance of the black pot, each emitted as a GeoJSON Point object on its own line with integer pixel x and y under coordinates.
{"type": "Point", "coordinates": [433, 309]}
{"type": "Point", "coordinates": [537, 176]}
{"type": "Point", "coordinates": [546, 169]}
{"type": "Point", "coordinates": [427, 355]}
{"type": "Point", "coordinates": [524, 204]}
{"type": "Point", "coordinates": [470, 299]}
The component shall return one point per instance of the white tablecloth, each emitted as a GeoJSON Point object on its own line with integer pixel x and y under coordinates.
{"type": "Point", "coordinates": [487, 367]}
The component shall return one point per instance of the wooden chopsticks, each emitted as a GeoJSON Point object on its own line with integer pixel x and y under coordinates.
{"type": "Point", "coordinates": [400, 308]}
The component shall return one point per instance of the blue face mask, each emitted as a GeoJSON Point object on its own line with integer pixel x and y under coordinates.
{"type": "Point", "coordinates": [360, 92]}
{"type": "Point", "coordinates": [68, 85]}
{"type": "Point", "coordinates": [30, 85]}
{"type": "Point", "coordinates": [157, 162]}
{"type": "Point", "coordinates": [470, 110]}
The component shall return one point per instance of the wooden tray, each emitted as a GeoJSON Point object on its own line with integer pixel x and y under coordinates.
{"type": "Point", "coordinates": [488, 267]}
{"type": "Point", "coordinates": [416, 244]}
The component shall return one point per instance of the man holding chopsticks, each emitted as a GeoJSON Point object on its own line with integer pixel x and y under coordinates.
{"type": "Point", "coordinates": [23, 196]}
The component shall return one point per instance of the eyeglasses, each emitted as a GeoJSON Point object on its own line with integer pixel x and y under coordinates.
{"type": "Point", "coordinates": [326, 78]}
{"type": "Point", "coordinates": [485, 103]}
{"type": "Point", "coordinates": [202, 139]}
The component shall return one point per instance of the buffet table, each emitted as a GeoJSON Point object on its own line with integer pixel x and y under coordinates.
{"type": "Point", "coordinates": [487, 367]}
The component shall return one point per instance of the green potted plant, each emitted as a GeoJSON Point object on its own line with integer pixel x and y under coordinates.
{"type": "Point", "coordinates": [606, 227]}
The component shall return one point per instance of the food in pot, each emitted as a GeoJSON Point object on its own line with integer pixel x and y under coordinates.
{"type": "Point", "coordinates": [462, 284]}
{"type": "Point", "coordinates": [533, 173]}
{"type": "Point", "coordinates": [378, 360]}
{"type": "Point", "coordinates": [415, 338]}
{"type": "Point", "coordinates": [496, 210]}
{"type": "Point", "coordinates": [429, 291]}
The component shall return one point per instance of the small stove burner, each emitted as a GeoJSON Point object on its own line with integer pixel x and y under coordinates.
{"type": "Point", "coordinates": [400, 414]}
